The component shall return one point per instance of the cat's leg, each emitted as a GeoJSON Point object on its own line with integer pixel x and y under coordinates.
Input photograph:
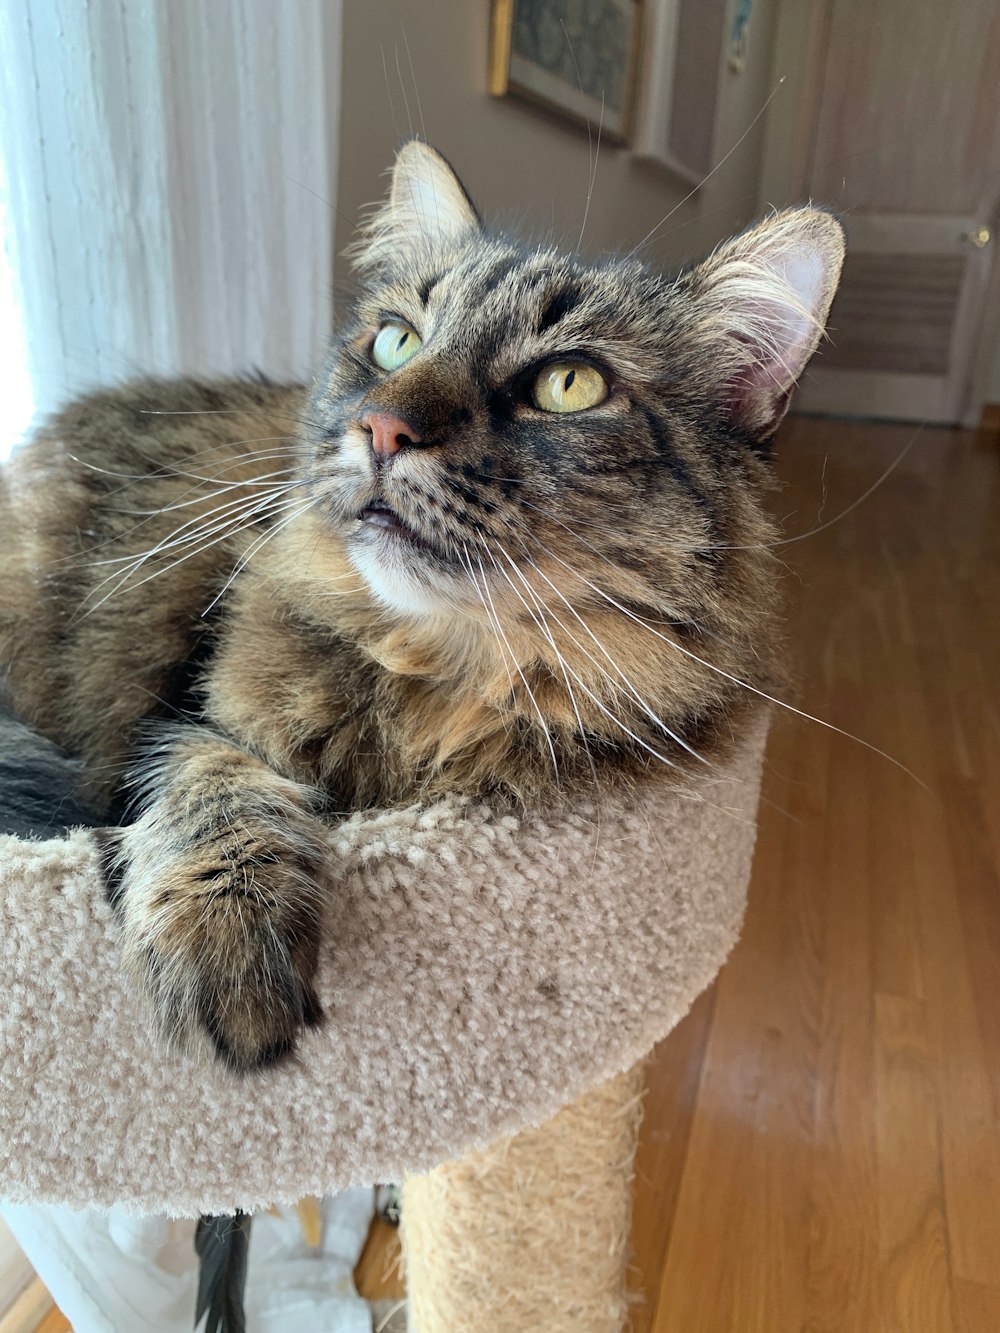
{"type": "Point", "coordinates": [219, 889]}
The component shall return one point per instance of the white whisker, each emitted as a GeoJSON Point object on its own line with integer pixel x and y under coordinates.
{"type": "Point", "coordinates": [490, 622]}
{"type": "Point", "coordinates": [196, 529]}
{"type": "Point", "coordinates": [721, 163]}
{"type": "Point", "coordinates": [613, 717]}
{"type": "Point", "coordinates": [517, 667]}
{"type": "Point", "coordinates": [763, 694]}
{"type": "Point", "coordinates": [244, 503]}
{"type": "Point", "coordinates": [241, 564]}
{"type": "Point", "coordinates": [630, 688]}
{"type": "Point", "coordinates": [543, 626]}
{"type": "Point", "coordinates": [124, 577]}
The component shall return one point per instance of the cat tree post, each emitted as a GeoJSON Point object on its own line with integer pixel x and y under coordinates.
{"type": "Point", "coordinates": [531, 1232]}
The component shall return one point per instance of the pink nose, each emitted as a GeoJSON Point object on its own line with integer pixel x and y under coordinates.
{"type": "Point", "coordinates": [389, 434]}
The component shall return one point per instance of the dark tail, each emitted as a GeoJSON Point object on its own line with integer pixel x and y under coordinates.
{"type": "Point", "coordinates": [222, 1244]}
{"type": "Point", "coordinates": [40, 786]}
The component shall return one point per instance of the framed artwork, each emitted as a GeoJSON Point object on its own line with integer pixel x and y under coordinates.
{"type": "Point", "coordinates": [575, 57]}
{"type": "Point", "coordinates": [684, 55]}
{"type": "Point", "coordinates": [739, 34]}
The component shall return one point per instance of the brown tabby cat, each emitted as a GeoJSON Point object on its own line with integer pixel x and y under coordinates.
{"type": "Point", "coordinates": [510, 543]}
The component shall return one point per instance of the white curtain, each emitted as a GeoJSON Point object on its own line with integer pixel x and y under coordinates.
{"type": "Point", "coordinates": [167, 172]}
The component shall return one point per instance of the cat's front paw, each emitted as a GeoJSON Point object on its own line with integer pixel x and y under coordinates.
{"type": "Point", "coordinates": [223, 936]}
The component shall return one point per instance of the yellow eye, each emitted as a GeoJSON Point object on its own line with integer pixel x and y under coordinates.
{"type": "Point", "coordinates": [394, 346]}
{"type": "Point", "coordinates": [569, 386]}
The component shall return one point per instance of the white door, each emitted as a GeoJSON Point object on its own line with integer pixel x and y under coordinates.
{"type": "Point", "coordinates": [902, 110]}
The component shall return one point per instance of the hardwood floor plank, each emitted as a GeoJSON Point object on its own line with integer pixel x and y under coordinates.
{"type": "Point", "coordinates": [378, 1272]}
{"type": "Point", "coordinates": [914, 1269]}
{"type": "Point", "coordinates": [54, 1322]}
{"type": "Point", "coordinates": [672, 1086]}
{"type": "Point", "coordinates": [977, 1307]}
{"type": "Point", "coordinates": [760, 1094]}
{"type": "Point", "coordinates": [841, 1281]}
{"type": "Point", "coordinates": [969, 1120]}
{"type": "Point", "coordinates": [32, 1305]}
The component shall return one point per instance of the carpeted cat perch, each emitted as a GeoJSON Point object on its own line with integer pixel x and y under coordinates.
{"type": "Point", "coordinates": [489, 985]}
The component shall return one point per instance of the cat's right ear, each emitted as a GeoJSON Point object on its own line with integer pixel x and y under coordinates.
{"type": "Point", "coordinates": [760, 307]}
{"type": "Point", "coordinates": [427, 211]}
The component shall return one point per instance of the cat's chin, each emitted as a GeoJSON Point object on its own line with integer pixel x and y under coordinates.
{"type": "Point", "coordinates": [402, 579]}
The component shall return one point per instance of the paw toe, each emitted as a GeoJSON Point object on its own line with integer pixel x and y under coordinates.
{"type": "Point", "coordinates": [259, 1033]}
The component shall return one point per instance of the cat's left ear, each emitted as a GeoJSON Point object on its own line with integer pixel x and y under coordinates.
{"type": "Point", "coordinates": [761, 303]}
{"type": "Point", "coordinates": [427, 210]}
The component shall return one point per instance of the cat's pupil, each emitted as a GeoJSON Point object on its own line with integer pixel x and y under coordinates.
{"type": "Point", "coordinates": [569, 380]}
{"type": "Point", "coordinates": [399, 345]}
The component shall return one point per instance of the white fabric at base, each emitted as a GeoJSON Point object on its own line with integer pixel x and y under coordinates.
{"type": "Point", "coordinates": [122, 1273]}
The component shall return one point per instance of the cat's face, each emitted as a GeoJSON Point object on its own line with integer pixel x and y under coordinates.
{"type": "Point", "coordinates": [517, 431]}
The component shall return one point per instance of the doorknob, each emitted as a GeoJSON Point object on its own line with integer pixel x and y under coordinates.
{"type": "Point", "coordinates": [979, 237]}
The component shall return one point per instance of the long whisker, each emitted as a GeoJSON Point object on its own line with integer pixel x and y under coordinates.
{"type": "Point", "coordinates": [241, 509]}
{"type": "Point", "coordinates": [261, 541]}
{"type": "Point", "coordinates": [750, 546]}
{"type": "Point", "coordinates": [592, 173]}
{"type": "Point", "coordinates": [721, 163]}
{"type": "Point", "coordinates": [297, 417]}
{"type": "Point", "coordinates": [763, 694]}
{"type": "Point", "coordinates": [822, 527]}
{"type": "Point", "coordinates": [491, 623]}
{"type": "Point", "coordinates": [517, 667]}
{"type": "Point", "coordinates": [542, 624]}
{"type": "Point", "coordinates": [413, 79]}
{"type": "Point", "coordinates": [266, 481]}
{"type": "Point", "coordinates": [171, 471]}
{"type": "Point", "coordinates": [193, 529]}
{"type": "Point", "coordinates": [190, 412]}
{"type": "Point", "coordinates": [388, 90]}
{"type": "Point", "coordinates": [402, 89]}
{"type": "Point", "coordinates": [123, 577]}
{"type": "Point", "coordinates": [631, 689]}
{"type": "Point", "coordinates": [613, 717]}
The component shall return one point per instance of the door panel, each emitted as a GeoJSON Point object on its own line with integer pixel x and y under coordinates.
{"type": "Point", "coordinates": [905, 109]}
{"type": "Point", "coordinates": [901, 325]}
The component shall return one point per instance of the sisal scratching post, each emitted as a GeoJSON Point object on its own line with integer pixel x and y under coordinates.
{"type": "Point", "coordinates": [531, 1232]}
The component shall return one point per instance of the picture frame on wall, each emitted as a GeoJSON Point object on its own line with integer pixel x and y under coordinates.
{"type": "Point", "coordinates": [684, 46]}
{"type": "Point", "coordinates": [577, 58]}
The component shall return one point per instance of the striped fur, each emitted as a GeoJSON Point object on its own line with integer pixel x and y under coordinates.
{"type": "Point", "coordinates": [186, 575]}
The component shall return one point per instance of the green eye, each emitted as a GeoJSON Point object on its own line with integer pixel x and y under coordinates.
{"type": "Point", "coordinates": [394, 346]}
{"type": "Point", "coordinates": [569, 386]}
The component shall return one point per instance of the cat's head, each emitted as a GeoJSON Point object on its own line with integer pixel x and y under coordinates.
{"type": "Point", "coordinates": [551, 444]}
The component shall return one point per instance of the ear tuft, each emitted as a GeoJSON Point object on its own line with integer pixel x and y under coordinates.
{"type": "Point", "coordinates": [762, 299]}
{"type": "Point", "coordinates": [427, 210]}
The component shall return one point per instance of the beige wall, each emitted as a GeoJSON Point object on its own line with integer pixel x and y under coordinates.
{"type": "Point", "coordinates": [515, 160]}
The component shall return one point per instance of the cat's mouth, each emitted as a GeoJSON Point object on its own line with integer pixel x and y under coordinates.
{"type": "Point", "coordinates": [382, 518]}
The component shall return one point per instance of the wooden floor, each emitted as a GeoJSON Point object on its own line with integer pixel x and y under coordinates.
{"type": "Point", "coordinates": [822, 1140]}
{"type": "Point", "coordinates": [821, 1149]}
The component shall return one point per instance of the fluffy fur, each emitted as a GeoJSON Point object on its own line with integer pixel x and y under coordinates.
{"type": "Point", "coordinates": [555, 599]}
{"type": "Point", "coordinates": [40, 786]}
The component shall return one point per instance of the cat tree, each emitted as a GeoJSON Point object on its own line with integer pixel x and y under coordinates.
{"type": "Point", "coordinates": [491, 987]}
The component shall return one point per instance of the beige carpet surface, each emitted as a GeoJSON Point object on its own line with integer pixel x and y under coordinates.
{"type": "Point", "coordinates": [479, 973]}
